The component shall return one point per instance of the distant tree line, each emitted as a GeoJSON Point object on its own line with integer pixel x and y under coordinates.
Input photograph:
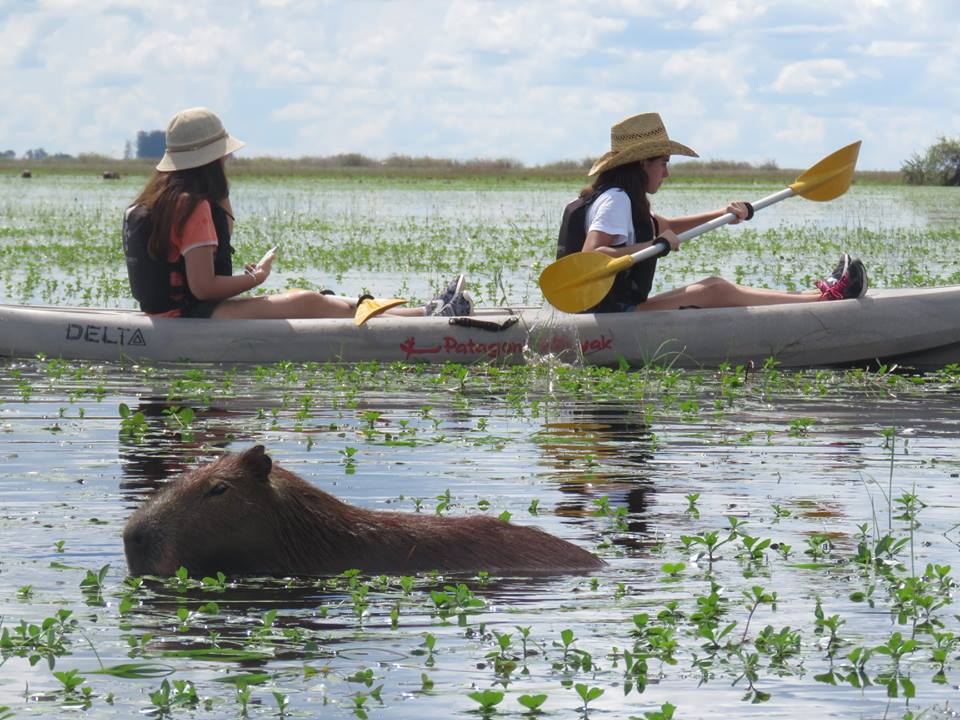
{"type": "Point", "coordinates": [356, 160]}
{"type": "Point", "coordinates": [36, 154]}
{"type": "Point", "coordinates": [149, 144]}
{"type": "Point", "coordinates": [939, 165]}
{"type": "Point", "coordinates": [152, 144]}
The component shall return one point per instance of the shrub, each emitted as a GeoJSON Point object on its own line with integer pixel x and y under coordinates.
{"type": "Point", "coordinates": [940, 165]}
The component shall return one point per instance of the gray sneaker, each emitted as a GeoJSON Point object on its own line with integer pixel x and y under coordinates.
{"type": "Point", "coordinates": [460, 305]}
{"type": "Point", "coordinates": [452, 301]}
{"type": "Point", "coordinates": [454, 287]}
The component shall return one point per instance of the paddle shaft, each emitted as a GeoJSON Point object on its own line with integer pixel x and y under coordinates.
{"type": "Point", "coordinates": [658, 249]}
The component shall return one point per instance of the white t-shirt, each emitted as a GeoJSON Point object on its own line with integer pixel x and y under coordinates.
{"type": "Point", "coordinates": [611, 213]}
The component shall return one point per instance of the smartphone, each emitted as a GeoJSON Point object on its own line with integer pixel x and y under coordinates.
{"type": "Point", "coordinates": [267, 256]}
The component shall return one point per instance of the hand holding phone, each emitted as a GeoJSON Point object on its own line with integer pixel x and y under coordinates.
{"type": "Point", "coordinates": [267, 257]}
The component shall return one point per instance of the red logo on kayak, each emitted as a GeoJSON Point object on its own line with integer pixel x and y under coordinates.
{"type": "Point", "coordinates": [409, 347]}
{"type": "Point", "coordinates": [470, 347]}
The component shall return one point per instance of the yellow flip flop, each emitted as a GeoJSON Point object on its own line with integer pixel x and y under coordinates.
{"type": "Point", "coordinates": [372, 307]}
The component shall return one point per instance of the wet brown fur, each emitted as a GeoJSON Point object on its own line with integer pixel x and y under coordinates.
{"type": "Point", "coordinates": [244, 514]}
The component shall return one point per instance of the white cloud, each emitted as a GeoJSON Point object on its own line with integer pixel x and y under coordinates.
{"type": "Point", "coordinates": [803, 29]}
{"type": "Point", "coordinates": [801, 130]}
{"type": "Point", "coordinates": [280, 62]}
{"type": "Point", "coordinates": [722, 134]}
{"type": "Point", "coordinates": [17, 35]}
{"type": "Point", "coordinates": [715, 70]}
{"type": "Point", "coordinates": [813, 77]}
{"type": "Point", "coordinates": [532, 79]}
{"type": "Point", "coordinates": [890, 48]}
{"type": "Point", "coordinates": [532, 30]}
{"type": "Point", "coordinates": [724, 16]}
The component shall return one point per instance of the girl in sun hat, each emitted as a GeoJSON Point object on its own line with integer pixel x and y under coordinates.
{"type": "Point", "coordinates": [613, 216]}
{"type": "Point", "coordinates": [176, 238]}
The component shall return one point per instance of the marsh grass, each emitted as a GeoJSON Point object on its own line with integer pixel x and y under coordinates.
{"type": "Point", "coordinates": [60, 244]}
{"type": "Point", "coordinates": [395, 169]}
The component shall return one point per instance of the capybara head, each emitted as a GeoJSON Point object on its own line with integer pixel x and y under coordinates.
{"type": "Point", "coordinates": [216, 517]}
{"type": "Point", "coordinates": [244, 514]}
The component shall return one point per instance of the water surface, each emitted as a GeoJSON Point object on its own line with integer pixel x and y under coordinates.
{"type": "Point", "coordinates": [612, 460]}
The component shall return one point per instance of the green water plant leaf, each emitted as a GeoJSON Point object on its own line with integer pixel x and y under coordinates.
{"type": "Point", "coordinates": [244, 679]}
{"type": "Point", "coordinates": [135, 670]}
{"type": "Point", "coordinates": [218, 654]}
{"type": "Point", "coordinates": [532, 702]}
{"type": "Point", "coordinates": [487, 699]}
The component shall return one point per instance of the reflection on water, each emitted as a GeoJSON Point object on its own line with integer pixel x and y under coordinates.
{"type": "Point", "coordinates": [163, 445]}
{"type": "Point", "coordinates": [601, 451]}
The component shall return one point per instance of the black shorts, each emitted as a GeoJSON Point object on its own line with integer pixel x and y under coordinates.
{"type": "Point", "coordinates": [201, 309]}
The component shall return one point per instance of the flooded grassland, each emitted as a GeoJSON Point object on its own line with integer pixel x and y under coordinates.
{"type": "Point", "coordinates": [778, 544]}
{"type": "Point", "coordinates": [60, 236]}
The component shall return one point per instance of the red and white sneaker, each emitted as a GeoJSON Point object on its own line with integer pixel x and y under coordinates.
{"type": "Point", "coordinates": [848, 280]}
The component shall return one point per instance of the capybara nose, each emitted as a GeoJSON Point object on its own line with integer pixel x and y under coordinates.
{"type": "Point", "coordinates": [139, 543]}
{"type": "Point", "coordinates": [135, 538]}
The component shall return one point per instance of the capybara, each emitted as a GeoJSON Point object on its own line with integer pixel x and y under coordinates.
{"type": "Point", "coordinates": [246, 515]}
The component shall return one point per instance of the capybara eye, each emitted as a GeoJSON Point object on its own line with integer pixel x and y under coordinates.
{"type": "Point", "coordinates": [219, 489]}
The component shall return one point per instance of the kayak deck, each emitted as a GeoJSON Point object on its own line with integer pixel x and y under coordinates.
{"type": "Point", "coordinates": [915, 327]}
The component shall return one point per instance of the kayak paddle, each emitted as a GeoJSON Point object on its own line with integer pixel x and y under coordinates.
{"type": "Point", "coordinates": [579, 281]}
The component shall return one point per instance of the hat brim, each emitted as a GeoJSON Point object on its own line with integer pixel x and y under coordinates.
{"type": "Point", "coordinates": [201, 156]}
{"type": "Point", "coordinates": [640, 151]}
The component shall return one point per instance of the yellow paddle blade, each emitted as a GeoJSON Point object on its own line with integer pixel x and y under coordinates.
{"type": "Point", "coordinates": [580, 280]}
{"type": "Point", "coordinates": [830, 177]}
{"type": "Point", "coordinates": [371, 308]}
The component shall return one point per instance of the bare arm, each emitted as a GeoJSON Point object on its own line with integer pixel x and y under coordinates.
{"type": "Point", "coordinates": [682, 224]}
{"type": "Point", "coordinates": [207, 285]}
{"type": "Point", "coordinates": [600, 242]}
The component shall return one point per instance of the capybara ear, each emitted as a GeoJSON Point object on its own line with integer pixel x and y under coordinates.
{"type": "Point", "coordinates": [257, 463]}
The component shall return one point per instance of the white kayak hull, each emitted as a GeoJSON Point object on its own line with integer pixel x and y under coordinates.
{"type": "Point", "coordinates": [913, 327]}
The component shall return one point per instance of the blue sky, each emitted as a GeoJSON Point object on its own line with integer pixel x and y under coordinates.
{"type": "Point", "coordinates": [534, 81]}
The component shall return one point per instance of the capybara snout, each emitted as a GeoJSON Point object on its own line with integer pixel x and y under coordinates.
{"type": "Point", "coordinates": [142, 544]}
{"type": "Point", "coordinates": [243, 514]}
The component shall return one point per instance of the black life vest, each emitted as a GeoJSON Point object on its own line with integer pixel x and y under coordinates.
{"type": "Point", "coordinates": [150, 278]}
{"type": "Point", "coordinates": [630, 287]}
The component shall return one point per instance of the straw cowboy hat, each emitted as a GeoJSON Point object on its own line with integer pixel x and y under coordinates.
{"type": "Point", "coordinates": [196, 137]}
{"type": "Point", "coordinates": [638, 138]}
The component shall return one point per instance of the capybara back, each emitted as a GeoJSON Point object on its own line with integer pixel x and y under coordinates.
{"type": "Point", "coordinates": [244, 514]}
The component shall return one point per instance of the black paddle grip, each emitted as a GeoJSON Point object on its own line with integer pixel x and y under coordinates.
{"type": "Point", "coordinates": [749, 212]}
{"type": "Point", "coordinates": [665, 244]}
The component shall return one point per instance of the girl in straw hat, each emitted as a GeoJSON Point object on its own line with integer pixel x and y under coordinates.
{"type": "Point", "coordinates": [176, 239]}
{"type": "Point", "coordinates": [618, 222]}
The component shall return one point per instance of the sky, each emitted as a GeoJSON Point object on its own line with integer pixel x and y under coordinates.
{"type": "Point", "coordinates": [538, 82]}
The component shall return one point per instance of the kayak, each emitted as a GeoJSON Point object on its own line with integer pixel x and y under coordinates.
{"type": "Point", "coordinates": [917, 328]}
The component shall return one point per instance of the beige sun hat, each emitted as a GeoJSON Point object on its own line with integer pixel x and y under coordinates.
{"type": "Point", "coordinates": [637, 138]}
{"type": "Point", "coordinates": [196, 137]}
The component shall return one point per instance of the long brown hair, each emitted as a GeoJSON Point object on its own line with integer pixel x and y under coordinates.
{"type": "Point", "coordinates": [171, 197]}
{"type": "Point", "coordinates": [632, 179]}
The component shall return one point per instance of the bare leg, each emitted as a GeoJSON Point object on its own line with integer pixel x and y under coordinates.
{"type": "Point", "coordinates": [296, 304]}
{"type": "Point", "coordinates": [714, 292]}
{"type": "Point", "coordinates": [405, 312]}
{"type": "Point", "coordinates": [290, 304]}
